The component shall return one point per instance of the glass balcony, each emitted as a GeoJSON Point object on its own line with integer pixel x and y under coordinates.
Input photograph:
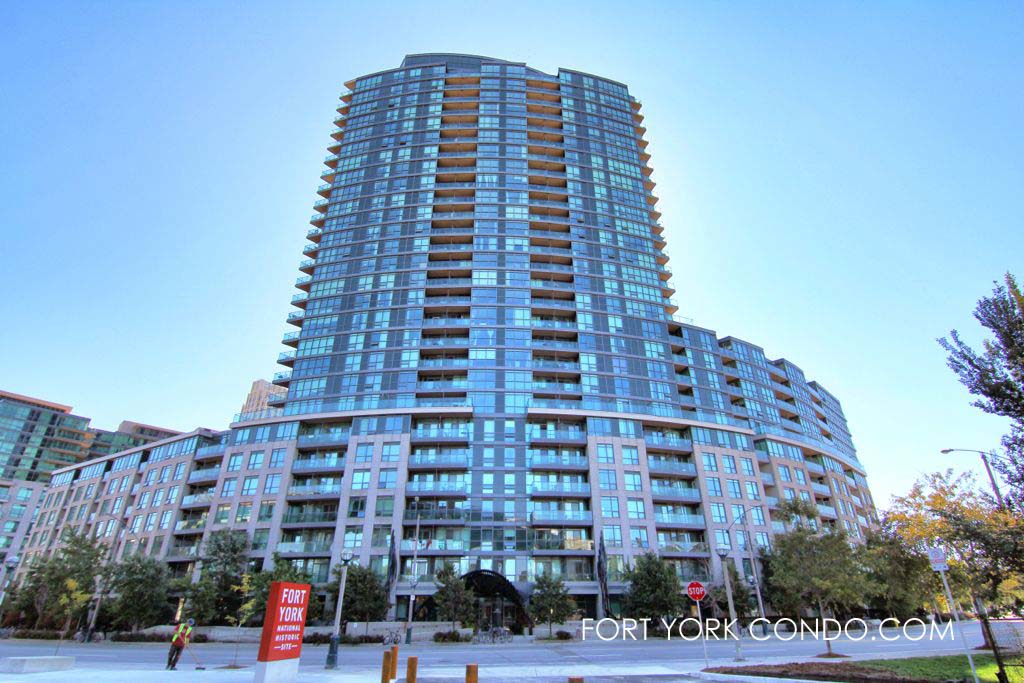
{"type": "Point", "coordinates": [821, 489]}
{"type": "Point", "coordinates": [204, 474]}
{"type": "Point", "coordinates": [668, 441]}
{"type": "Point", "coordinates": [307, 464]}
{"type": "Point", "coordinates": [309, 517]}
{"type": "Point", "coordinates": [768, 479]}
{"type": "Point", "coordinates": [679, 518]}
{"type": "Point", "coordinates": [557, 435]}
{"type": "Point", "coordinates": [826, 510]}
{"type": "Point", "coordinates": [212, 449]}
{"type": "Point", "coordinates": [814, 467]}
{"type": "Point", "coordinates": [584, 544]}
{"type": "Point", "coordinates": [304, 547]}
{"type": "Point", "coordinates": [669, 491]}
{"type": "Point", "coordinates": [323, 438]}
{"type": "Point", "coordinates": [190, 525]}
{"type": "Point", "coordinates": [197, 499]}
{"type": "Point", "coordinates": [457, 460]}
{"type": "Point", "coordinates": [553, 516]}
{"type": "Point", "coordinates": [434, 514]}
{"type": "Point", "coordinates": [548, 488]}
{"type": "Point", "coordinates": [684, 547]}
{"type": "Point", "coordinates": [556, 461]}
{"type": "Point", "coordinates": [435, 544]}
{"type": "Point", "coordinates": [671, 466]}
{"type": "Point", "coordinates": [314, 489]}
{"type": "Point", "coordinates": [426, 486]}
{"type": "Point", "coordinates": [184, 551]}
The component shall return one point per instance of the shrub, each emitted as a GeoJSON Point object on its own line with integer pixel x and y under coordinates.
{"type": "Point", "coordinates": [449, 637]}
{"type": "Point", "coordinates": [140, 637]}
{"type": "Point", "coordinates": [563, 635]}
{"type": "Point", "coordinates": [345, 639]}
{"type": "Point", "coordinates": [34, 634]}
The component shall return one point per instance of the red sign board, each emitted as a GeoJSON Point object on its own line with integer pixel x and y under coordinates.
{"type": "Point", "coordinates": [696, 590]}
{"type": "Point", "coordinates": [285, 621]}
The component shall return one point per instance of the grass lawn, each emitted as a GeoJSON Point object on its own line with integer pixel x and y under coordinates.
{"type": "Point", "coordinates": [943, 668]}
{"type": "Point", "coordinates": [913, 669]}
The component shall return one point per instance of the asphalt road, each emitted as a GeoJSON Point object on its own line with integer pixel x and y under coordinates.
{"type": "Point", "coordinates": [523, 658]}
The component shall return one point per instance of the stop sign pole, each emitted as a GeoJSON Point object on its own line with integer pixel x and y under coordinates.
{"type": "Point", "coordinates": [697, 592]}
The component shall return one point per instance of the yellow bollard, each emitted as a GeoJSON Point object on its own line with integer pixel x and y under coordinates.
{"type": "Point", "coordinates": [471, 673]}
{"type": "Point", "coordinates": [410, 669]}
{"type": "Point", "coordinates": [394, 662]}
{"type": "Point", "coordinates": [385, 668]}
{"type": "Point", "coordinates": [575, 679]}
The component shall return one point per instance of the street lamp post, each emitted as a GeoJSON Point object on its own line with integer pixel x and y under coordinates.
{"type": "Point", "coordinates": [979, 606]}
{"type": "Point", "coordinates": [8, 567]}
{"type": "Point", "coordinates": [101, 582]}
{"type": "Point", "coordinates": [723, 554]}
{"type": "Point", "coordinates": [755, 579]}
{"type": "Point", "coordinates": [332, 650]}
{"type": "Point", "coordinates": [988, 468]}
{"type": "Point", "coordinates": [415, 574]}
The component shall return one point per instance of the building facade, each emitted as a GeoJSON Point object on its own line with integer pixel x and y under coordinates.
{"type": "Point", "coordinates": [487, 369]}
{"type": "Point", "coordinates": [260, 395]}
{"type": "Point", "coordinates": [36, 438]}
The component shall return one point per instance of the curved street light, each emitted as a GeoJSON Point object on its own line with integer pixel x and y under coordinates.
{"type": "Point", "coordinates": [988, 468]}
{"type": "Point", "coordinates": [332, 650]}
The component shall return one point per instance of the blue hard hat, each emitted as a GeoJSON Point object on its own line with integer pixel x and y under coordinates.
{"type": "Point", "coordinates": [191, 622]}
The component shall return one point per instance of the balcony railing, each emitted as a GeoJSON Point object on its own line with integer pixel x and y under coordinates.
{"type": "Point", "coordinates": [547, 516]}
{"type": "Point", "coordinates": [679, 518]}
{"type": "Point", "coordinates": [314, 489]}
{"type": "Point", "coordinates": [190, 524]}
{"type": "Point", "coordinates": [304, 547]}
{"type": "Point", "coordinates": [318, 464]}
{"type": "Point", "coordinates": [559, 487]}
{"type": "Point", "coordinates": [204, 474]}
{"type": "Point", "coordinates": [309, 517]}
{"type": "Point", "coordinates": [434, 515]}
{"type": "Point", "coordinates": [669, 491]}
{"type": "Point", "coordinates": [556, 461]}
{"type": "Point", "coordinates": [460, 459]}
{"type": "Point", "coordinates": [421, 486]}
{"type": "Point", "coordinates": [683, 547]}
{"type": "Point", "coordinates": [673, 466]}
{"type": "Point", "coordinates": [197, 499]}
{"type": "Point", "coordinates": [586, 544]}
{"type": "Point", "coordinates": [454, 544]}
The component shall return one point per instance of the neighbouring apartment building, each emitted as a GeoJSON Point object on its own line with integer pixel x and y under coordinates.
{"type": "Point", "coordinates": [36, 438]}
{"type": "Point", "coordinates": [487, 369]}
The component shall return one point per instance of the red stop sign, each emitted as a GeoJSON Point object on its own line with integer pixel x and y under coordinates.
{"type": "Point", "coordinates": [696, 590]}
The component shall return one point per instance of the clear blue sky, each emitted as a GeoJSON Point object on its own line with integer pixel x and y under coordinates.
{"type": "Point", "coordinates": [840, 182]}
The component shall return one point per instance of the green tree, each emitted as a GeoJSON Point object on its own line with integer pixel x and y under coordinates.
{"type": "Point", "coordinates": [283, 570]}
{"type": "Point", "coordinates": [996, 374]}
{"type": "Point", "coordinates": [79, 558]}
{"type": "Point", "coordinates": [455, 600]}
{"type": "Point", "coordinates": [742, 597]}
{"type": "Point", "coordinates": [142, 586]}
{"type": "Point", "coordinates": [819, 570]}
{"type": "Point", "coordinates": [366, 598]}
{"type": "Point", "coordinates": [900, 573]}
{"type": "Point", "coordinates": [654, 592]}
{"type": "Point", "coordinates": [550, 601]}
{"type": "Point", "coordinates": [211, 599]}
{"type": "Point", "coordinates": [71, 600]}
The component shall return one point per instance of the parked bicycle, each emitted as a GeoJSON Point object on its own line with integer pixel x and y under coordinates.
{"type": "Point", "coordinates": [494, 635]}
{"type": "Point", "coordinates": [393, 637]}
